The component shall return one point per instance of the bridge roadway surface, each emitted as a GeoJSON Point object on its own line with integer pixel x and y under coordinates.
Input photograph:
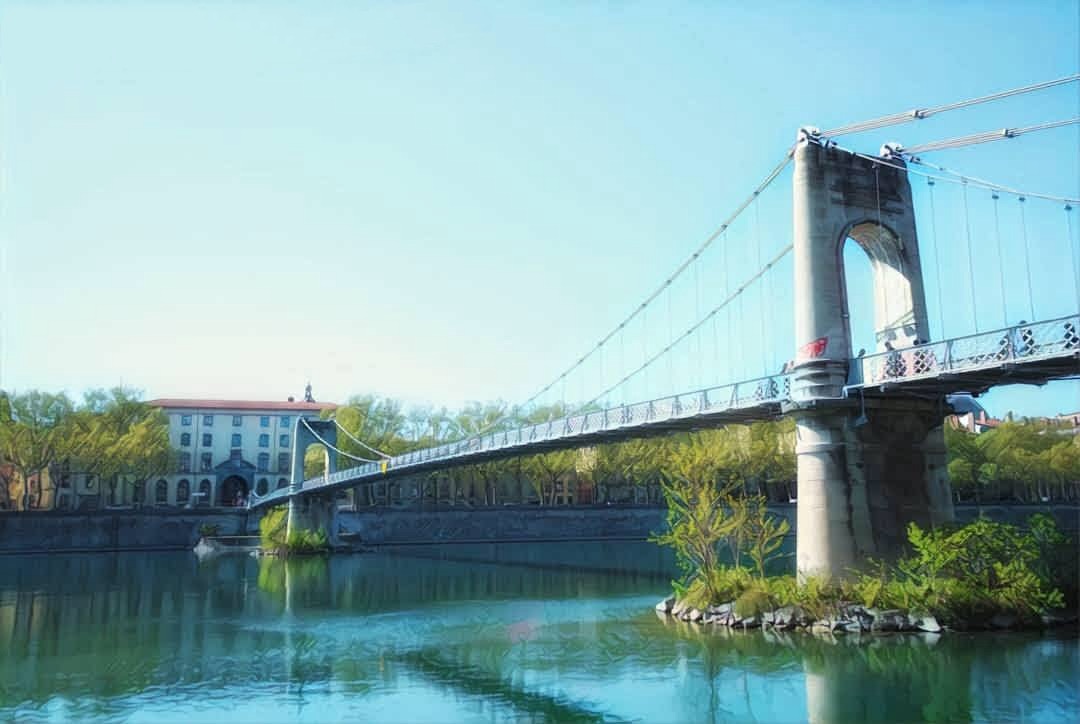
{"type": "Point", "coordinates": [1032, 353]}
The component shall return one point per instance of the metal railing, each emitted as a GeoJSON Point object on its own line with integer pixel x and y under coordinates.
{"type": "Point", "coordinates": [746, 395]}
{"type": "Point", "coordinates": [1026, 342]}
{"type": "Point", "coordinates": [1022, 343]}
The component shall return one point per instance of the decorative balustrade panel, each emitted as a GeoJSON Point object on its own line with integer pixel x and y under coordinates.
{"type": "Point", "coordinates": [1017, 344]}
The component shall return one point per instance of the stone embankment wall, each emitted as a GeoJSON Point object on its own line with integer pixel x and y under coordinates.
{"type": "Point", "coordinates": [155, 529]}
{"type": "Point", "coordinates": [380, 526]}
{"type": "Point", "coordinates": [56, 531]}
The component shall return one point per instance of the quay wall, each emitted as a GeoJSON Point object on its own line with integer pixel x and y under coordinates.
{"type": "Point", "coordinates": [388, 526]}
{"type": "Point", "coordinates": [114, 530]}
{"type": "Point", "coordinates": [157, 529]}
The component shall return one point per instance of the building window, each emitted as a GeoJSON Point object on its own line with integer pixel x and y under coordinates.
{"type": "Point", "coordinates": [208, 420]}
{"type": "Point", "coordinates": [161, 493]}
{"type": "Point", "coordinates": [207, 440]}
{"type": "Point", "coordinates": [206, 462]}
{"type": "Point", "coordinates": [235, 454]}
{"type": "Point", "coordinates": [283, 441]}
{"type": "Point", "coordinates": [236, 440]}
{"type": "Point", "coordinates": [185, 439]}
{"type": "Point", "coordinates": [284, 420]}
{"type": "Point", "coordinates": [185, 420]}
{"type": "Point", "coordinates": [236, 420]}
{"type": "Point", "coordinates": [183, 492]}
{"type": "Point", "coordinates": [139, 493]}
{"type": "Point", "coordinates": [185, 462]}
{"type": "Point", "coordinates": [282, 483]}
{"type": "Point", "coordinates": [264, 441]}
{"type": "Point", "coordinates": [204, 492]}
{"type": "Point", "coordinates": [264, 462]}
{"type": "Point", "coordinates": [264, 421]}
{"type": "Point", "coordinates": [283, 462]}
{"type": "Point", "coordinates": [262, 487]}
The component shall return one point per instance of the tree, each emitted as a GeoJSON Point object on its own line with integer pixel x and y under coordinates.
{"type": "Point", "coordinates": [698, 520]}
{"type": "Point", "coordinates": [33, 433]}
{"type": "Point", "coordinates": [116, 435]}
{"type": "Point", "coordinates": [111, 434]}
{"type": "Point", "coordinates": [547, 470]}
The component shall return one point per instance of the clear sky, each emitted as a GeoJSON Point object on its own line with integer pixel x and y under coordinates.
{"type": "Point", "coordinates": [453, 201]}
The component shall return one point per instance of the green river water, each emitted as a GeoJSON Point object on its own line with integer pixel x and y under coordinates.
{"type": "Point", "coordinates": [521, 632]}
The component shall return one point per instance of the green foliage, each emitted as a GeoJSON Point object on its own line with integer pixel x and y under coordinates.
{"type": "Point", "coordinates": [981, 568]}
{"type": "Point", "coordinates": [111, 434]}
{"type": "Point", "coordinates": [754, 601]}
{"type": "Point", "coordinates": [724, 584]}
{"type": "Point", "coordinates": [697, 523]}
{"type": "Point", "coordinates": [1028, 461]}
{"type": "Point", "coordinates": [960, 575]}
{"type": "Point", "coordinates": [306, 542]}
{"type": "Point", "coordinates": [275, 537]}
{"type": "Point", "coordinates": [764, 533]}
{"type": "Point", "coordinates": [272, 528]}
{"type": "Point", "coordinates": [208, 529]}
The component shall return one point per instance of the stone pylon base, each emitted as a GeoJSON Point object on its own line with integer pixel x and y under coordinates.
{"type": "Point", "coordinates": [865, 472]}
{"type": "Point", "coordinates": [313, 512]}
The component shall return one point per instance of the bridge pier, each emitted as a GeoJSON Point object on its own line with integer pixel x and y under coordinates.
{"type": "Point", "coordinates": [866, 467]}
{"type": "Point", "coordinates": [312, 511]}
{"type": "Point", "coordinates": [864, 474]}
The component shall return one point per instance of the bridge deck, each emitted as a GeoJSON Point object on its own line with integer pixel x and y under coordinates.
{"type": "Point", "coordinates": [1031, 353]}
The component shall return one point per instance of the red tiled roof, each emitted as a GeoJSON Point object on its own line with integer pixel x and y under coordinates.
{"type": "Point", "coordinates": [189, 404]}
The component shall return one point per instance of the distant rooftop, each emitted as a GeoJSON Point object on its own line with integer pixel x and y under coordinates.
{"type": "Point", "coordinates": [260, 405]}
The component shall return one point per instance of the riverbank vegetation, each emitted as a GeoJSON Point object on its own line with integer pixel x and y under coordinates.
{"type": "Point", "coordinates": [275, 538]}
{"type": "Point", "coordinates": [980, 574]}
{"type": "Point", "coordinates": [114, 438]}
{"type": "Point", "coordinates": [110, 436]}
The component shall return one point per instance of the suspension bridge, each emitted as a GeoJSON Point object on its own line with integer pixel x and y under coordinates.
{"type": "Point", "coordinates": [870, 443]}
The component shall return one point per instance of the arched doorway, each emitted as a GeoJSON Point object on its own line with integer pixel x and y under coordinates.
{"type": "Point", "coordinates": [183, 492]}
{"type": "Point", "coordinates": [231, 490]}
{"type": "Point", "coordinates": [204, 493]}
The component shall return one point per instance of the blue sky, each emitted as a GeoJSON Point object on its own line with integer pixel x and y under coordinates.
{"type": "Point", "coordinates": [453, 201]}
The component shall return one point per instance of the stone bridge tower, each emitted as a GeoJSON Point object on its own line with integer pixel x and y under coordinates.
{"type": "Point", "coordinates": [867, 465]}
{"type": "Point", "coordinates": [312, 511]}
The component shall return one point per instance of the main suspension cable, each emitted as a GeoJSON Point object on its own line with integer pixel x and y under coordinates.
{"type": "Point", "coordinates": [920, 113]}
{"type": "Point", "coordinates": [335, 448]}
{"type": "Point", "coordinates": [984, 137]}
{"type": "Point", "coordinates": [773, 174]}
{"type": "Point", "coordinates": [360, 442]}
{"type": "Point", "coordinates": [957, 177]}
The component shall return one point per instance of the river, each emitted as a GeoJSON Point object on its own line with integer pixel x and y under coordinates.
{"type": "Point", "coordinates": [516, 632]}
